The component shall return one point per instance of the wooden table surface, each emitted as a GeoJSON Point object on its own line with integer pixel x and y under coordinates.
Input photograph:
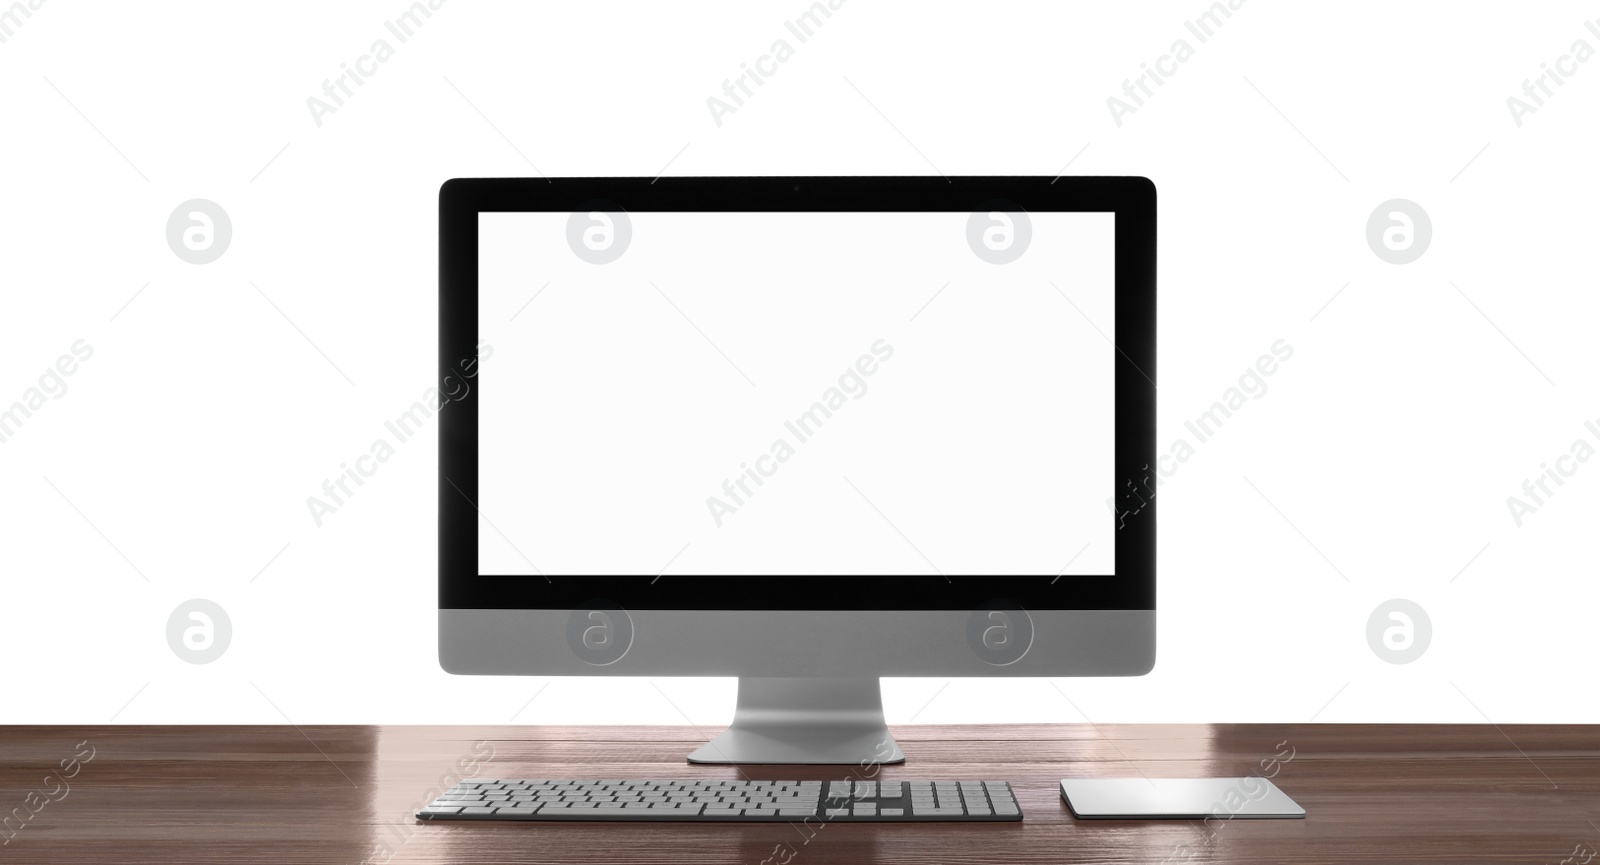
{"type": "Point", "coordinates": [286, 795]}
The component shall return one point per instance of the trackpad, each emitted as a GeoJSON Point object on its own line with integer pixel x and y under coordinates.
{"type": "Point", "coordinates": [1177, 798]}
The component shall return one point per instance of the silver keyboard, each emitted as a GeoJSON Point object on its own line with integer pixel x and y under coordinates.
{"type": "Point", "coordinates": [731, 801]}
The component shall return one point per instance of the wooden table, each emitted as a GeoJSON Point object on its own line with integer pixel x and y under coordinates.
{"type": "Point", "coordinates": [286, 795]}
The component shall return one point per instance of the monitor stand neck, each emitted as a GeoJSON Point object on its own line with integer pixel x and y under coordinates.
{"type": "Point", "coordinates": [820, 721]}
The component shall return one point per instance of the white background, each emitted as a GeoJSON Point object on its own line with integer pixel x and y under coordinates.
{"type": "Point", "coordinates": [618, 397]}
{"type": "Point", "coordinates": [1390, 441]}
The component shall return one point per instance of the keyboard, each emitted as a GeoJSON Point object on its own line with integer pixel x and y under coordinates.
{"type": "Point", "coordinates": [704, 801]}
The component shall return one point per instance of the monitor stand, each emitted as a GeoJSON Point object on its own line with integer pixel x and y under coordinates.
{"type": "Point", "coordinates": [820, 720]}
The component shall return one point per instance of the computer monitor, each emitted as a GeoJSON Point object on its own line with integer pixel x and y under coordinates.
{"type": "Point", "coordinates": [805, 431]}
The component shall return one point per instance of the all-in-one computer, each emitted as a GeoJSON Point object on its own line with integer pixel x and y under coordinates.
{"type": "Point", "coordinates": [807, 432]}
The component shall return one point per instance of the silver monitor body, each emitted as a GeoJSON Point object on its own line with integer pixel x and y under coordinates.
{"type": "Point", "coordinates": [819, 705]}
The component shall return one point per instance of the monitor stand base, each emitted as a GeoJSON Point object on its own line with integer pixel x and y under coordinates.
{"type": "Point", "coordinates": [805, 721]}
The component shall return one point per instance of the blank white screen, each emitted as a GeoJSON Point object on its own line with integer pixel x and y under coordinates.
{"type": "Point", "coordinates": [621, 404]}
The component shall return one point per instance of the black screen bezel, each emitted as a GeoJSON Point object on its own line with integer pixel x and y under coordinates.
{"type": "Point", "coordinates": [1131, 199]}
